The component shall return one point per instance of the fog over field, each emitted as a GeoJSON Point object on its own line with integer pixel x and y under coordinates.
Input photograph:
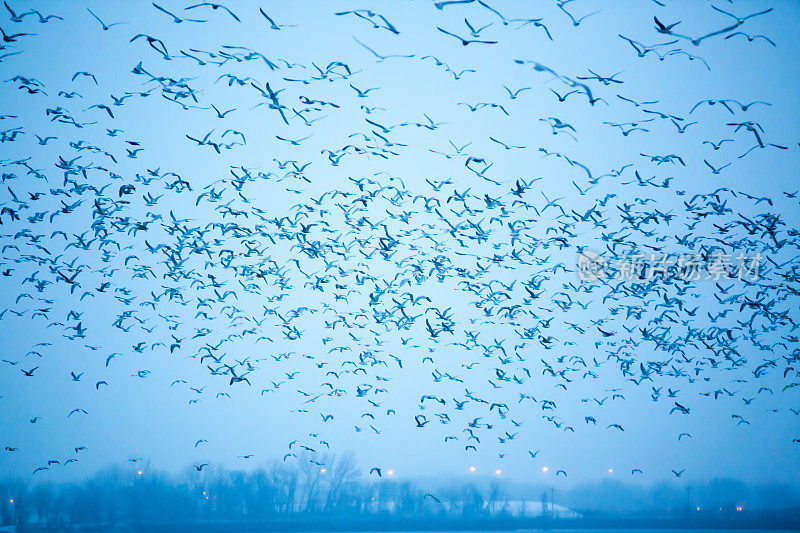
{"type": "Point", "coordinates": [545, 247]}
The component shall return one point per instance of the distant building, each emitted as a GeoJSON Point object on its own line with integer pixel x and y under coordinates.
{"type": "Point", "coordinates": [532, 509]}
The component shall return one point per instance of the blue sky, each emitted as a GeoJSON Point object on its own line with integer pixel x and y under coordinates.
{"type": "Point", "coordinates": [143, 415]}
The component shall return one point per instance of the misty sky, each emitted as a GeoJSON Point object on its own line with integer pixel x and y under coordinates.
{"type": "Point", "coordinates": [143, 413]}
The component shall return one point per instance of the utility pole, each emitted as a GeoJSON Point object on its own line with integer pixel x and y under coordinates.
{"type": "Point", "coordinates": [544, 504]}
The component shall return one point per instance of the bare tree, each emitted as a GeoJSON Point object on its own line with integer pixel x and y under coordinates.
{"type": "Point", "coordinates": [342, 472]}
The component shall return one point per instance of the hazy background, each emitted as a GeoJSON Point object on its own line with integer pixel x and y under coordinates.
{"type": "Point", "coordinates": [146, 418]}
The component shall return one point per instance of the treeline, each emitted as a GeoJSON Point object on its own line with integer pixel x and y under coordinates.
{"type": "Point", "coordinates": [134, 494]}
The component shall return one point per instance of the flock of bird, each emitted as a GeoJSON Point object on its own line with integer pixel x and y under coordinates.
{"type": "Point", "coordinates": [325, 275]}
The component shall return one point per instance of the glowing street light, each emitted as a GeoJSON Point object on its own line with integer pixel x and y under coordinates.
{"type": "Point", "coordinates": [323, 470]}
{"type": "Point", "coordinates": [139, 472]}
{"type": "Point", "coordinates": [610, 470]}
{"type": "Point", "coordinates": [545, 469]}
{"type": "Point", "coordinates": [498, 471]}
{"type": "Point", "coordinates": [698, 507]}
{"type": "Point", "coordinates": [11, 501]}
{"type": "Point", "coordinates": [472, 469]}
{"type": "Point", "coordinates": [390, 473]}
